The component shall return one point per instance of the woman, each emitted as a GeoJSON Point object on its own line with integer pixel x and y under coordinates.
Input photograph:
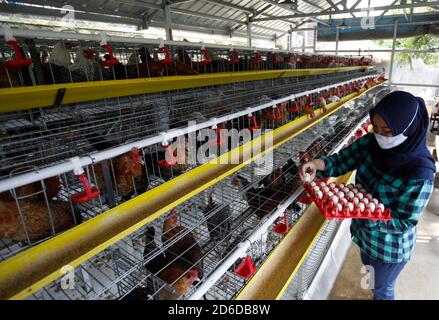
{"type": "Point", "coordinates": [395, 166]}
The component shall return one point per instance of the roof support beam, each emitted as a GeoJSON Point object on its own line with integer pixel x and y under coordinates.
{"type": "Point", "coordinates": [276, 4]}
{"type": "Point", "coordinates": [385, 11]}
{"type": "Point", "coordinates": [104, 17]}
{"type": "Point", "coordinates": [332, 4]}
{"type": "Point", "coordinates": [231, 6]}
{"type": "Point", "coordinates": [329, 12]}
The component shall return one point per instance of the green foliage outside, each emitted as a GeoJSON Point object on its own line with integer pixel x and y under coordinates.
{"type": "Point", "coordinates": [415, 43]}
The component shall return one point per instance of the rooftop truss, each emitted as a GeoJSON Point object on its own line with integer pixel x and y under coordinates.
{"type": "Point", "coordinates": [265, 19]}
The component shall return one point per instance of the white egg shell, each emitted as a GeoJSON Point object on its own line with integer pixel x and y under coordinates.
{"type": "Point", "coordinates": [340, 194]}
{"type": "Point", "coordinates": [355, 200]}
{"type": "Point", "coordinates": [350, 206]}
{"type": "Point", "coordinates": [332, 185]}
{"type": "Point", "coordinates": [359, 186]}
{"type": "Point", "coordinates": [313, 184]}
{"type": "Point", "coordinates": [380, 206]}
{"type": "Point", "coordinates": [325, 189]}
{"type": "Point", "coordinates": [346, 190]}
{"type": "Point", "coordinates": [355, 190]}
{"type": "Point", "coordinates": [362, 206]}
{"type": "Point", "coordinates": [316, 188]}
{"type": "Point", "coordinates": [319, 194]}
{"type": "Point", "coordinates": [372, 206]}
{"type": "Point", "coordinates": [368, 195]}
{"type": "Point", "coordinates": [375, 200]}
{"type": "Point", "coordinates": [322, 184]}
{"type": "Point", "coordinates": [365, 200]}
{"type": "Point", "coordinates": [341, 185]}
{"type": "Point", "coordinates": [350, 194]}
{"type": "Point", "coordinates": [334, 199]}
{"type": "Point", "coordinates": [344, 200]}
{"type": "Point", "coordinates": [339, 207]}
{"type": "Point", "coordinates": [351, 186]}
{"type": "Point", "coordinates": [359, 195]}
{"type": "Point", "coordinates": [335, 190]}
{"type": "Point", "coordinates": [329, 193]}
{"type": "Point", "coordinates": [307, 177]}
{"type": "Point", "coordinates": [363, 191]}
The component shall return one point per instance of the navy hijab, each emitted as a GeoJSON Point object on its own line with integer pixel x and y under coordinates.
{"type": "Point", "coordinates": [411, 159]}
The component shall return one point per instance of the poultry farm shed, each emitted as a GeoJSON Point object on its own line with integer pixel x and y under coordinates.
{"type": "Point", "coordinates": [91, 192]}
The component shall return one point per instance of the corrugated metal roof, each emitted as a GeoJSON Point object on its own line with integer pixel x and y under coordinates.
{"type": "Point", "coordinates": [209, 14]}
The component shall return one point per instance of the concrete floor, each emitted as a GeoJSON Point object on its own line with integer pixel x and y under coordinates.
{"type": "Point", "coordinates": [420, 277]}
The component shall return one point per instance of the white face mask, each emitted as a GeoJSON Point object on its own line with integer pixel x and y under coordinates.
{"type": "Point", "coordinates": [392, 142]}
{"type": "Point", "coordinates": [389, 142]}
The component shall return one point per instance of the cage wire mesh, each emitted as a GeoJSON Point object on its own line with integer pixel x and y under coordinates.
{"type": "Point", "coordinates": [55, 62]}
{"type": "Point", "coordinates": [50, 200]}
{"type": "Point", "coordinates": [309, 267]}
{"type": "Point", "coordinates": [41, 137]}
{"type": "Point", "coordinates": [152, 262]}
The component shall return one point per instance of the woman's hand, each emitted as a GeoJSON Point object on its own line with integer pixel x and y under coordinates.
{"type": "Point", "coordinates": [311, 168]}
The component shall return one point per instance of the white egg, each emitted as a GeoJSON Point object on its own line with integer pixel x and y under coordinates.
{"type": "Point", "coordinates": [341, 185]}
{"type": "Point", "coordinates": [329, 193]}
{"type": "Point", "coordinates": [316, 188]}
{"type": "Point", "coordinates": [363, 191]}
{"type": "Point", "coordinates": [325, 189]}
{"type": "Point", "coordinates": [359, 195]}
{"type": "Point", "coordinates": [332, 185]}
{"type": "Point", "coordinates": [340, 194]}
{"type": "Point", "coordinates": [344, 200]}
{"type": "Point", "coordinates": [339, 207]}
{"type": "Point", "coordinates": [362, 206]}
{"type": "Point", "coordinates": [335, 190]}
{"type": "Point", "coordinates": [359, 186]}
{"type": "Point", "coordinates": [313, 184]}
{"type": "Point", "coordinates": [368, 195]}
{"type": "Point", "coordinates": [350, 194]}
{"type": "Point", "coordinates": [371, 206]}
{"type": "Point", "coordinates": [355, 190]}
{"type": "Point", "coordinates": [346, 190]}
{"type": "Point", "coordinates": [365, 200]}
{"type": "Point", "coordinates": [351, 186]}
{"type": "Point", "coordinates": [355, 200]}
{"type": "Point", "coordinates": [322, 184]}
{"type": "Point", "coordinates": [307, 177]}
{"type": "Point", "coordinates": [380, 206]}
{"type": "Point", "coordinates": [319, 194]}
{"type": "Point", "coordinates": [350, 206]}
{"type": "Point", "coordinates": [334, 199]}
{"type": "Point", "coordinates": [374, 200]}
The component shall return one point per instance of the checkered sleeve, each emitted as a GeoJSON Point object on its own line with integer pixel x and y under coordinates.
{"type": "Point", "coordinates": [407, 208]}
{"type": "Point", "coordinates": [347, 160]}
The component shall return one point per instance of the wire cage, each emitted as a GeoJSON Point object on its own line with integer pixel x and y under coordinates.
{"type": "Point", "coordinates": [36, 61]}
{"type": "Point", "coordinates": [40, 210]}
{"type": "Point", "coordinates": [171, 257]}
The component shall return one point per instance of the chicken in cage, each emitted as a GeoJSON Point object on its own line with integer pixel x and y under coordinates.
{"type": "Point", "coordinates": [170, 257]}
{"type": "Point", "coordinates": [36, 61]}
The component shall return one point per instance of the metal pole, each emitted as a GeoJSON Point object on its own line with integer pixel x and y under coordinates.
{"type": "Point", "coordinates": [168, 23]}
{"type": "Point", "coordinates": [249, 34]}
{"type": "Point", "coordinates": [290, 41]}
{"type": "Point", "coordinates": [337, 36]}
{"type": "Point", "coordinates": [315, 40]}
{"type": "Point", "coordinates": [303, 42]}
{"type": "Point", "coordinates": [392, 57]}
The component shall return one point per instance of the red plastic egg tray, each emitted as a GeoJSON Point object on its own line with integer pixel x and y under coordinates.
{"type": "Point", "coordinates": [343, 202]}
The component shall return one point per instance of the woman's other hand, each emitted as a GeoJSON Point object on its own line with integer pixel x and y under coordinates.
{"type": "Point", "coordinates": [311, 168]}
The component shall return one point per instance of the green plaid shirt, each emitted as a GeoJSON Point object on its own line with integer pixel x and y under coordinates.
{"type": "Point", "coordinates": [392, 241]}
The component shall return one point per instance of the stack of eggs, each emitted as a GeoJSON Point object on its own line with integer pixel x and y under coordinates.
{"type": "Point", "coordinates": [351, 201]}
